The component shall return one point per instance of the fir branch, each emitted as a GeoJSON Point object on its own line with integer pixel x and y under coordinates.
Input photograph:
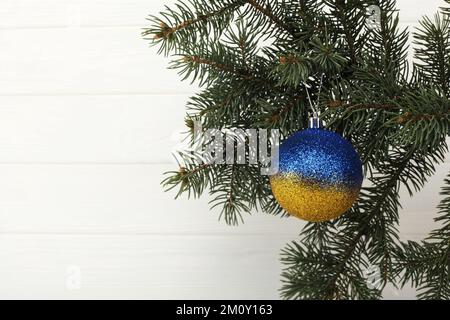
{"type": "Point", "coordinates": [191, 178]}
{"type": "Point", "coordinates": [398, 124]}
{"type": "Point", "coordinates": [386, 49]}
{"type": "Point", "coordinates": [427, 265]}
{"type": "Point", "coordinates": [359, 106]}
{"type": "Point", "coordinates": [234, 191]}
{"type": "Point", "coordinates": [433, 52]}
{"type": "Point", "coordinates": [167, 31]}
{"type": "Point", "coordinates": [389, 188]}
{"type": "Point", "coordinates": [420, 125]}
{"type": "Point", "coordinates": [269, 14]}
{"type": "Point", "coordinates": [358, 235]}
{"type": "Point", "coordinates": [216, 65]}
{"type": "Point", "coordinates": [175, 27]}
{"type": "Point", "coordinates": [349, 17]}
{"type": "Point", "coordinates": [410, 117]}
{"type": "Point", "coordinates": [275, 117]}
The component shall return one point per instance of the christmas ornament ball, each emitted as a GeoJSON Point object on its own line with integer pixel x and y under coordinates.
{"type": "Point", "coordinates": [320, 175]}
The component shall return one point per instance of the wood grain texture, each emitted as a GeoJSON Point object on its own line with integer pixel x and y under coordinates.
{"type": "Point", "coordinates": [105, 13]}
{"type": "Point", "coordinates": [87, 61]}
{"type": "Point", "coordinates": [128, 199]}
{"type": "Point", "coordinates": [144, 267]}
{"type": "Point", "coordinates": [87, 118]}
{"type": "Point", "coordinates": [78, 13]}
{"type": "Point", "coordinates": [96, 129]}
{"type": "Point", "coordinates": [113, 60]}
{"type": "Point", "coordinates": [91, 129]}
{"type": "Point", "coordinates": [140, 267]}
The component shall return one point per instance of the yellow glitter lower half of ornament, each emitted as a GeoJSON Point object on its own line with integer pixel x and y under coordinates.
{"type": "Point", "coordinates": [311, 201]}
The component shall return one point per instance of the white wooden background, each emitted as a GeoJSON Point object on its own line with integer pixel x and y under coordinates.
{"type": "Point", "coordinates": [87, 112]}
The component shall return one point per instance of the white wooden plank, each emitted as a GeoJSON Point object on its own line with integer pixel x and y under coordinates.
{"type": "Point", "coordinates": [129, 238]}
{"type": "Point", "coordinates": [414, 10]}
{"type": "Point", "coordinates": [90, 129]}
{"type": "Point", "coordinates": [83, 61]}
{"type": "Point", "coordinates": [77, 13]}
{"type": "Point", "coordinates": [140, 267]}
{"type": "Point", "coordinates": [419, 211]}
{"type": "Point", "coordinates": [101, 13]}
{"type": "Point", "coordinates": [128, 199]}
{"type": "Point", "coordinates": [145, 267]}
{"type": "Point", "coordinates": [116, 199]}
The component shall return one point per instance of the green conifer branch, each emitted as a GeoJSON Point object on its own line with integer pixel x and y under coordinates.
{"type": "Point", "coordinates": [266, 11]}
{"type": "Point", "coordinates": [398, 123]}
{"type": "Point", "coordinates": [427, 265]}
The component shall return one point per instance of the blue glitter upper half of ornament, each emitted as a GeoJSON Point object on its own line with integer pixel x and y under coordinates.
{"type": "Point", "coordinates": [322, 157]}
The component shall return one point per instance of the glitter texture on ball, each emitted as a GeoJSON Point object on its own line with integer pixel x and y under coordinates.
{"type": "Point", "coordinates": [320, 175]}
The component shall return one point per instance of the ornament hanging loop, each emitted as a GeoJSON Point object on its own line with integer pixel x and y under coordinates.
{"type": "Point", "coordinates": [315, 122]}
